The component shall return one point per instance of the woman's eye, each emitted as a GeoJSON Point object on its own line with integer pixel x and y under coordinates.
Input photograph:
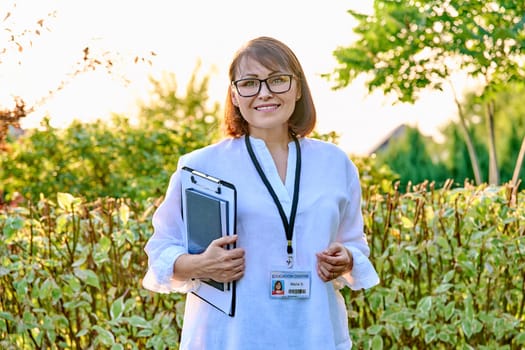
{"type": "Point", "coordinates": [248, 83]}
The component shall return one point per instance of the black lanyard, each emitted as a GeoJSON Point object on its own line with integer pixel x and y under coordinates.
{"type": "Point", "coordinates": [288, 226]}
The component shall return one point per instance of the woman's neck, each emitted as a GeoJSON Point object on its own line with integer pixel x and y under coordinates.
{"type": "Point", "coordinates": [277, 143]}
{"type": "Point", "coordinates": [274, 139]}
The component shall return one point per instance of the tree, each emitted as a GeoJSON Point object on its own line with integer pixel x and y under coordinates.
{"type": "Point", "coordinates": [455, 149]}
{"type": "Point", "coordinates": [112, 158]}
{"type": "Point", "coordinates": [192, 117]}
{"type": "Point", "coordinates": [407, 46]}
{"type": "Point", "coordinates": [409, 156]}
{"type": "Point", "coordinates": [509, 126]}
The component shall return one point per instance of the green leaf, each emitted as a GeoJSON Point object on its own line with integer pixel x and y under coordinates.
{"type": "Point", "coordinates": [449, 310]}
{"type": "Point", "coordinates": [430, 333]}
{"type": "Point", "coordinates": [448, 276]}
{"type": "Point", "coordinates": [11, 227]}
{"type": "Point", "coordinates": [45, 288]}
{"type": "Point", "coordinates": [74, 304]}
{"type": "Point", "coordinates": [126, 258]}
{"type": "Point", "coordinates": [4, 271]}
{"type": "Point", "coordinates": [7, 316]}
{"type": "Point", "coordinates": [60, 321]}
{"type": "Point", "coordinates": [51, 335]}
{"type": "Point", "coordinates": [82, 332]}
{"type": "Point", "coordinates": [443, 288]}
{"type": "Point", "coordinates": [444, 337]}
{"type": "Point", "coordinates": [376, 301]}
{"type": "Point", "coordinates": [104, 336]}
{"type": "Point", "coordinates": [100, 254]}
{"type": "Point", "coordinates": [520, 338]}
{"type": "Point", "coordinates": [374, 329]}
{"type": "Point", "coordinates": [145, 333]}
{"type": "Point", "coordinates": [129, 305]}
{"type": "Point", "coordinates": [407, 222]}
{"type": "Point", "coordinates": [30, 320]}
{"type": "Point", "coordinates": [79, 262]}
{"type": "Point", "coordinates": [442, 242]}
{"type": "Point", "coordinates": [424, 305]}
{"type": "Point", "coordinates": [138, 322]}
{"type": "Point", "coordinates": [466, 326]}
{"type": "Point", "coordinates": [65, 201]}
{"type": "Point", "coordinates": [74, 284]}
{"type": "Point", "coordinates": [124, 213]}
{"type": "Point", "coordinates": [88, 276]}
{"type": "Point", "coordinates": [377, 343]}
{"type": "Point", "coordinates": [117, 309]}
{"type": "Point", "coordinates": [469, 307]}
{"type": "Point", "coordinates": [471, 326]}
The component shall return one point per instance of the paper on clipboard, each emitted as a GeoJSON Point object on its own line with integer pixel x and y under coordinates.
{"type": "Point", "coordinates": [208, 209]}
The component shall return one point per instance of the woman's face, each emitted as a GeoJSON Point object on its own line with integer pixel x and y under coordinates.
{"type": "Point", "coordinates": [267, 111]}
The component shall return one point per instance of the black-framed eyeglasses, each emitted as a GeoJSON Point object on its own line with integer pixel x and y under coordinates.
{"type": "Point", "coordinates": [278, 84]}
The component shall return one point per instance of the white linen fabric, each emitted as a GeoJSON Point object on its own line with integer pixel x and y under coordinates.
{"type": "Point", "coordinates": [329, 210]}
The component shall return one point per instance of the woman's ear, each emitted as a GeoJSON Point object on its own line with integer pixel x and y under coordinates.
{"type": "Point", "coordinates": [233, 97]}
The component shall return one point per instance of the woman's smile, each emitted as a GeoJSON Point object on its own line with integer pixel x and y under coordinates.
{"type": "Point", "coordinates": [268, 107]}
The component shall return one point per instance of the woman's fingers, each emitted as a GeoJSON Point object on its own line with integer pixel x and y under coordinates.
{"type": "Point", "coordinates": [333, 262]}
{"type": "Point", "coordinates": [225, 265]}
{"type": "Point", "coordinates": [224, 241]}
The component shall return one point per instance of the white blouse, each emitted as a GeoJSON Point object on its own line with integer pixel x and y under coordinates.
{"type": "Point", "coordinates": [329, 210]}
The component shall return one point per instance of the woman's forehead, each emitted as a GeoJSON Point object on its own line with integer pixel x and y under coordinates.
{"type": "Point", "coordinates": [251, 66]}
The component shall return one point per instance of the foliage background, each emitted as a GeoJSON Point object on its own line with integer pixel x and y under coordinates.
{"type": "Point", "coordinates": [451, 264]}
{"type": "Point", "coordinates": [77, 213]}
{"type": "Point", "coordinates": [449, 159]}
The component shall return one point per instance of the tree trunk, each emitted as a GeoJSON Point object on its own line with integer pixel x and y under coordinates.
{"type": "Point", "coordinates": [493, 157]}
{"type": "Point", "coordinates": [468, 140]}
{"type": "Point", "coordinates": [517, 169]}
{"type": "Point", "coordinates": [519, 163]}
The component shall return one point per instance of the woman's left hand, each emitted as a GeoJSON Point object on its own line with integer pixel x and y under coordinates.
{"type": "Point", "coordinates": [333, 262]}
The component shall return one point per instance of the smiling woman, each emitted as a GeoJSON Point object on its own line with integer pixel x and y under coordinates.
{"type": "Point", "coordinates": [252, 98]}
{"type": "Point", "coordinates": [280, 232]}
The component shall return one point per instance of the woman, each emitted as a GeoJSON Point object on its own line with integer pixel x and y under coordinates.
{"type": "Point", "coordinates": [298, 218]}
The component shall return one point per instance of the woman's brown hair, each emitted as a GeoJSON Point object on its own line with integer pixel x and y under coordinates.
{"type": "Point", "coordinates": [272, 54]}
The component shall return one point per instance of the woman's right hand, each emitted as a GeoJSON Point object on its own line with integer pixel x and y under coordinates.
{"type": "Point", "coordinates": [216, 262]}
{"type": "Point", "coordinates": [222, 264]}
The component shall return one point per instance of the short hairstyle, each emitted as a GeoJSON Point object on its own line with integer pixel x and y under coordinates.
{"type": "Point", "coordinates": [274, 55]}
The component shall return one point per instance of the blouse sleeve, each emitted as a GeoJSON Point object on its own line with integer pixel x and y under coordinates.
{"type": "Point", "coordinates": [363, 274]}
{"type": "Point", "coordinates": [167, 243]}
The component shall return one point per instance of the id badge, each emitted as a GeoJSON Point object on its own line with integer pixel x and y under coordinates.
{"type": "Point", "coordinates": [286, 284]}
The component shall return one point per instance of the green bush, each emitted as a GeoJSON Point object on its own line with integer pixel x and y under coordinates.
{"type": "Point", "coordinates": [452, 269]}
{"type": "Point", "coordinates": [105, 159]}
{"type": "Point", "coordinates": [70, 278]}
{"type": "Point", "coordinates": [451, 263]}
{"type": "Point", "coordinates": [115, 158]}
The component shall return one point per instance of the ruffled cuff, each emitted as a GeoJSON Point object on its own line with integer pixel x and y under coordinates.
{"type": "Point", "coordinates": [363, 274]}
{"type": "Point", "coordinates": [159, 277]}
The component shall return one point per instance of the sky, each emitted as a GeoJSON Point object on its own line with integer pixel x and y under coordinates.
{"type": "Point", "coordinates": [181, 33]}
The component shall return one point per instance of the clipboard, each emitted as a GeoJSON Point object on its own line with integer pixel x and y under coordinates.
{"type": "Point", "coordinates": [209, 207]}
